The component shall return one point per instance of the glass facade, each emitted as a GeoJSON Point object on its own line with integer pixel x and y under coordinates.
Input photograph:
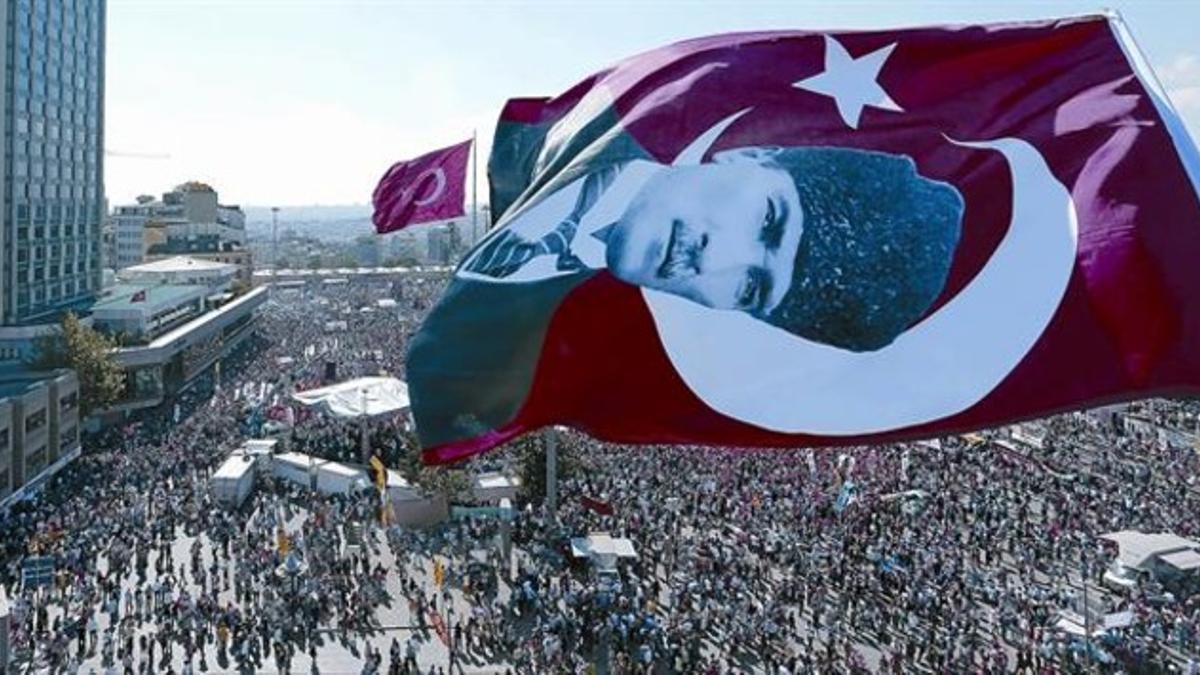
{"type": "Point", "coordinates": [54, 157]}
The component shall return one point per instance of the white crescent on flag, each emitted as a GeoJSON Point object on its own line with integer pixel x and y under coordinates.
{"type": "Point", "coordinates": [943, 365]}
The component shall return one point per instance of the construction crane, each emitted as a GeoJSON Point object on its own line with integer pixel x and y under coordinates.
{"type": "Point", "coordinates": [137, 155]}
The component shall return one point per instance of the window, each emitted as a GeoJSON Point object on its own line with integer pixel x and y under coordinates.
{"type": "Point", "coordinates": [35, 421]}
{"type": "Point", "coordinates": [68, 438]}
{"type": "Point", "coordinates": [35, 461]}
{"type": "Point", "coordinates": [4, 433]}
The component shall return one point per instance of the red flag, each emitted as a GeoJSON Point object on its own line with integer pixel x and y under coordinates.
{"type": "Point", "coordinates": [601, 507]}
{"type": "Point", "coordinates": [422, 190]}
{"type": "Point", "coordinates": [803, 239]}
{"type": "Point", "coordinates": [140, 296]}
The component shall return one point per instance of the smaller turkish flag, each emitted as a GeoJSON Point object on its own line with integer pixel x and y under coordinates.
{"type": "Point", "coordinates": [422, 190]}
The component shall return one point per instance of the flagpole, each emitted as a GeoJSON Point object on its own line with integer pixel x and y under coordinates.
{"type": "Point", "coordinates": [474, 187]}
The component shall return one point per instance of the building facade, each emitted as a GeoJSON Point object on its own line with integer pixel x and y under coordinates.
{"type": "Point", "coordinates": [188, 220]}
{"type": "Point", "coordinates": [53, 197]}
{"type": "Point", "coordinates": [39, 429]}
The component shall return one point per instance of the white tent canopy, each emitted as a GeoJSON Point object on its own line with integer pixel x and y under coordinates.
{"type": "Point", "coordinates": [1137, 550]}
{"type": "Point", "coordinates": [355, 398]}
{"type": "Point", "coordinates": [601, 547]}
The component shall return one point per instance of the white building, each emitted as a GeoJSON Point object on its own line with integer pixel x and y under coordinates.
{"type": "Point", "coordinates": [182, 270]}
{"type": "Point", "coordinates": [189, 211]}
{"type": "Point", "coordinates": [144, 311]}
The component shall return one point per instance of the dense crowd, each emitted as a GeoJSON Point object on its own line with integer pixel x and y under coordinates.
{"type": "Point", "coordinates": [953, 556]}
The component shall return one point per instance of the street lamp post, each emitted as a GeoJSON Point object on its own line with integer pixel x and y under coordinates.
{"type": "Point", "coordinates": [449, 599]}
{"type": "Point", "coordinates": [1087, 613]}
{"type": "Point", "coordinates": [364, 453]}
{"type": "Point", "coordinates": [552, 472]}
{"type": "Point", "coordinates": [275, 238]}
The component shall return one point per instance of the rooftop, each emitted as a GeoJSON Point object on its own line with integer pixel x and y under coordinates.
{"type": "Point", "coordinates": [180, 263]}
{"type": "Point", "coordinates": [121, 295]}
{"type": "Point", "coordinates": [1137, 549]}
{"type": "Point", "coordinates": [11, 389]}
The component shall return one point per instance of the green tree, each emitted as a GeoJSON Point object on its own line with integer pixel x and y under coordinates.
{"type": "Point", "coordinates": [341, 260]}
{"type": "Point", "coordinates": [530, 451]}
{"type": "Point", "coordinates": [90, 354]}
{"type": "Point", "coordinates": [240, 287]}
{"type": "Point", "coordinates": [445, 481]}
{"type": "Point", "coordinates": [405, 260]}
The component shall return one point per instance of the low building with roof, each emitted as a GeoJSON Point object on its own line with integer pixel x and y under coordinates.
{"type": "Point", "coordinates": [176, 351]}
{"type": "Point", "coordinates": [136, 312]}
{"type": "Point", "coordinates": [205, 246]}
{"type": "Point", "coordinates": [1162, 556]}
{"type": "Point", "coordinates": [182, 270]}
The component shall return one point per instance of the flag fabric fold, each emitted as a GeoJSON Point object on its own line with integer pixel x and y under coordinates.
{"type": "Point", "coordinates": [793, 238]}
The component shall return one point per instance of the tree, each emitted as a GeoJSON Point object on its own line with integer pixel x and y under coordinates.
{"type": "Point", "coordinates": [404, 260]}
{"type": "Point", "coordinates": [441, 481]}
{"type": "Point", "coordinates": [87, 352]}
{"type": "Point", "coordinates": [531, 455]}
{"type": "Point", "coordinates": [240, 287]}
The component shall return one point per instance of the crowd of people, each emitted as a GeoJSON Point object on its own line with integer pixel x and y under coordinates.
{"type": "Point", "coordinates": [957, 555]}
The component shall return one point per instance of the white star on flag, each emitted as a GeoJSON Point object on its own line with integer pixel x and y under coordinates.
{"type": "Point", "coordinates": [852, 83]}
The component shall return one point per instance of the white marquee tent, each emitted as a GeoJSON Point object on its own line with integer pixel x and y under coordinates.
{"type": "Point", "coordinates": [354, 398]}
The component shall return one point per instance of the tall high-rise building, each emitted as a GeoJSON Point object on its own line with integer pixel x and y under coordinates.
{"type": "Point", "coordinates": [53, 170]}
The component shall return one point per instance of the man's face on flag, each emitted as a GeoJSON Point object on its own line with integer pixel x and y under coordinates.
{"type": "Point", "coordinates": [723, 234]}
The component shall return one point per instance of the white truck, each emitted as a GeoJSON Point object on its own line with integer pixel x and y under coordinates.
{"type": "Point", "coordinates": [234, 480]}
{"type": "Point", "coordinates": [323, 475]}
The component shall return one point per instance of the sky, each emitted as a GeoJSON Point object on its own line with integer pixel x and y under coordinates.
{"type": "Point", "coordinates": [301, 102]}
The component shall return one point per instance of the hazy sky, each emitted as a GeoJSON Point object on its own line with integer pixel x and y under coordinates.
{"type": "Point", "coordinates": [291, 102]}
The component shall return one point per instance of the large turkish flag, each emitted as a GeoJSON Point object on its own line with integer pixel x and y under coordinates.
{"type": "Point", "coordinates": [792, 238]}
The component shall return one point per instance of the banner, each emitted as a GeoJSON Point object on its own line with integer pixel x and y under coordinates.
{"type": "Point", "coordinates": [428, 188]}
{"type": "Point", "coordinates": [598, 506]}
{"type": "Point", "coordinates": [813, 239]}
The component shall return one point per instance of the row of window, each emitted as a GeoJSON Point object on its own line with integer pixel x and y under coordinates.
{"type": "Point", "coordinates": [37, 107]}
{"type": "Point", "coordinates": [68, 235]}
{"type": "Point", "coordinates": [56, 211]}
{"type": "Point", "coordinates": [59, 10]}
{"type": "Point", "coordinates": [50, 273]}
{"type": "Point", "coordinates": [20, 190]}
{"type": "Point", "coordinates": [52, 170]}
{"type": "Point", "coordinates": [51, 295]}
{"type": "Point", "coordinates": [84, 152]}
{"type": "Point", "coordinates": [55, 252]}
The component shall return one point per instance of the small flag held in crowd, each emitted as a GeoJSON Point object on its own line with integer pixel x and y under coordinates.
{"type": "Point", "coordinates": [422, 190]}
{"type": "Point", "coordinates": [439, 573]}
{"type": "Point", "coordinates": [380, 472]}
{"type": "Point", "coordinates": [601, 507]}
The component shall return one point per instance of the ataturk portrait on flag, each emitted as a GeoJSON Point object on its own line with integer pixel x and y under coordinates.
{"type": "Point", "coordinates": [787, 238]}
{"type": "Point", "coordinates": [846, 247]}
